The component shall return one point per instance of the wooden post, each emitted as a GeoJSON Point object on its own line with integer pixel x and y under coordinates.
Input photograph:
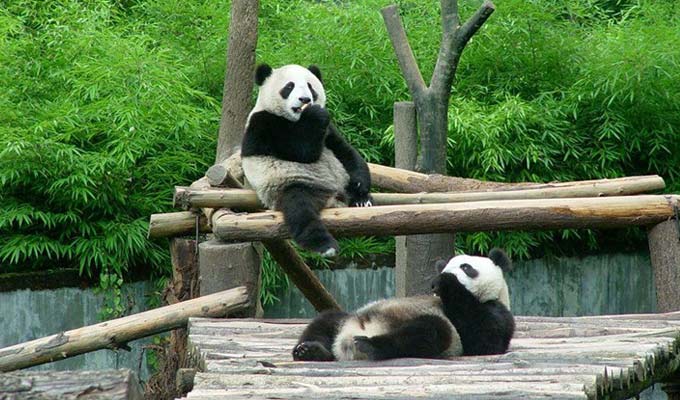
{"type": "Point", "coordinates": [225, 265]}
{"type": "Point", "coordinates": [415, 255]}
{"type": "Point", "coordinates": [664, 251]}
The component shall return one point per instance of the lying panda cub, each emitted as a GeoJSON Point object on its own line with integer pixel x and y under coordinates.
{"type": "Point", "coordinates": [470, 315]}
{"type": "Point", "coordinates": [296, 160]}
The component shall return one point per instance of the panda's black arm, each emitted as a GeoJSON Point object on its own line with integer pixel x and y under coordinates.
{"type": "Point", "coordinates": [454, 295]}
{"type": "Point", "coordinates": [270, 135]}
{"type": "Point", "coordinates": [359, 184]}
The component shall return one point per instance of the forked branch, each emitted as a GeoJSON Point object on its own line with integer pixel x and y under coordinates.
{"type": "Point", "coordinates": [407, 62]}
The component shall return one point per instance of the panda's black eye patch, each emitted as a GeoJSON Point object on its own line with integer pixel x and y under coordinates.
{"type": "Point", "coordinates": [285, 92]}
{"type": "Point", "coordinates": [315, 95]}
{"type": "Point", "coordinates": [469, 270]}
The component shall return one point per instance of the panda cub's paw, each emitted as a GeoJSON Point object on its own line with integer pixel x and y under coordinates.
{"type": "Point", "coordinates": [446, 285]}
{"type": "Point", "coordinates": [311, 351]}
{"type": "Point", "coordinates": [317, 115]}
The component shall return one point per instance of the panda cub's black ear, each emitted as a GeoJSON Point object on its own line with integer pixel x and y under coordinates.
{"type": "Point", "coordinates": [439, 265]}
{"type": "Point", "coordinates": [501, 259]}
{"type": "Point", "coordinates": [316, 71]}
{"type": "Point", "coordinates": [262, 72]}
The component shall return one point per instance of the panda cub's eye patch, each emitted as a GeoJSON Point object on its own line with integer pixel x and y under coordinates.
{"type": "Point", "coordinates": [314, 94]}
{"type": "Point", "coordinates": [469, 270]}
{"type": "Point", "coordinates": [285, 92]}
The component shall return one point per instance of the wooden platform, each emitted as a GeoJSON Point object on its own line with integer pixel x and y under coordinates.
{"type": "Point", "coordinates": [570, 358]}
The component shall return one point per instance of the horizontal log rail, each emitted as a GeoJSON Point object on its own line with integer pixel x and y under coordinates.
{"type": "Point", "coordinates": [604, 212]}
{"type": "Point", "coordinates": [186, 197]}
{"type": "Point", "coordinates": [117, 332]}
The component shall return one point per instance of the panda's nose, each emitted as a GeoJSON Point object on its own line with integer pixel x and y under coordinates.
{"type": "Point", "coordinates": [305, 100]}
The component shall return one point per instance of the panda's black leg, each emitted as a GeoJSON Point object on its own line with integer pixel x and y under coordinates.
{"type": "Point", "coordinates": [316, 341]}
{"type": "Point", "coordinates": [301, 205]}
{"type": "Point", "coordinates": [426, 336]}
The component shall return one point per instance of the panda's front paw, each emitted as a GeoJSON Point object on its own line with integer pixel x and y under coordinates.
{"type": "Point", "coordinates": [317, 115]}
{"type": "Point", "coordinates": [359, 195]}
{"type": "Point", "coordinates": [446, 285]}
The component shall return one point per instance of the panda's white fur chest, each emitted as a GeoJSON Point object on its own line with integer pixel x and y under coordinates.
{"type": "Point", "coordinates": [384, 316]}
{"type": "Point", "coordinates": [268, 175]}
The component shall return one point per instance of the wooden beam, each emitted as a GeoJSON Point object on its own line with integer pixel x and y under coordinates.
{"type": "Point", "coordinates": [399, 180]}
{"type": "Point", "coordinates": [117, 332]}
{"type": "Point", "coordinates": [301, 275]}
{"type": "Point", "coordinates": [605, 212]}
{"type": "Point", "coordinates": [247, 199]}
{"type": "Point", "coordinates": [176, 224]}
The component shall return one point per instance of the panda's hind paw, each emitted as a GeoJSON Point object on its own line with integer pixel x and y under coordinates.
{"type": "Point", "coordinates": [311, 351]}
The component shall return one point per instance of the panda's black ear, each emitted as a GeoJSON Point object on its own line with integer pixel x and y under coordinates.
{"type": "Point", "coordinates": [262, 72]}
{"type": "Point", "coordinates": [316, 71]}
{"type": "Point", "coordinates": [439, 265]}
{"type": "Point", "coordinates": [501, 259]}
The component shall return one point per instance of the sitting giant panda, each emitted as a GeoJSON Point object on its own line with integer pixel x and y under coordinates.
{"type": "Point", "coordinates": [296, 160]}
{"type": "Point", "coordinates": [470, 315]}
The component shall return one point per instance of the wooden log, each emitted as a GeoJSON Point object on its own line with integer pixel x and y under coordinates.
{"type": "Point", "coordinates": [664, 252]}
{"type": "Point", "coordinates": [176, 224]}
{"type": "Point", "coordinates": [399, 180]}
{"type": "Point", "coordinates": [246, 199]}
{"type": "Point", "coordinates": [116, 333]}
{"type": "Point", "coordinates": [605, 212]}
{"type": "Point", "coordinates": [226, 173]}
{"type": "Point", "coordinates": [301, 275]}
{"type": "Point", "coordinates": [63, 385]}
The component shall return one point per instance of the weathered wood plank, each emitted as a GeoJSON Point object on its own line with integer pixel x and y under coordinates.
{"type": "Point", "coordinates": [63, 385]}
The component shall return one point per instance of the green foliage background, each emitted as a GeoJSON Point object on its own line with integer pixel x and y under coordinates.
{"type": "Point", "coordinates": [107, 104]}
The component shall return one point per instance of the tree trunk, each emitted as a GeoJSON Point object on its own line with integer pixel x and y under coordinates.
{"type": "Point", "coordinates": [433, 123]}
{"type": "Point", "coordinates": [238, 82]}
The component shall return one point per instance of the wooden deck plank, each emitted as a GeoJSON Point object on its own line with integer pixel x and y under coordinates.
{"type": "Point", "coordinates": [62, 385]}
{"type": "Point", "coordinates": [567, 357]}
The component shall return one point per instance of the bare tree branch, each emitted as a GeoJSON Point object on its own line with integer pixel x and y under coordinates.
{"type": "Point", "coordinates": [454, 39]}
{"type": "Point", "coordinates": [407, 62]}
{"type": "Point", "coordinates": [473, 24]}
